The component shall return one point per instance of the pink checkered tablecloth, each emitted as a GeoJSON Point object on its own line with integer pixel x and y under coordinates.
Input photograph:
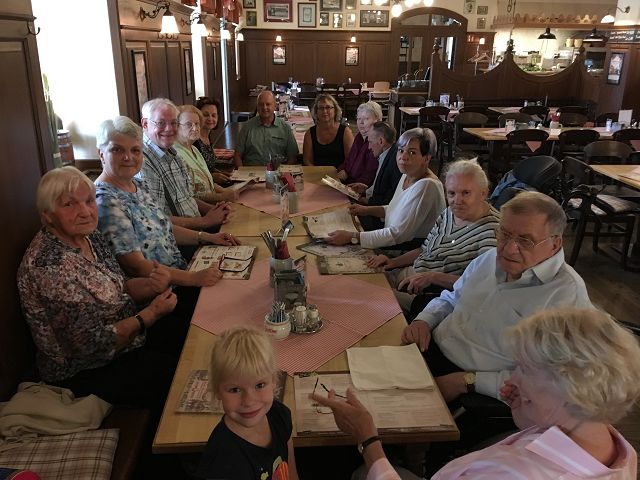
{"type": "Point", "coordinates": [312, 198]}
{"type": "Point", "coordinates": [350, 309]}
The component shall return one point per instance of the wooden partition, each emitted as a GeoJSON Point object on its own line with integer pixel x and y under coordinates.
{"type": "Point", "coordinates": [507, 81]}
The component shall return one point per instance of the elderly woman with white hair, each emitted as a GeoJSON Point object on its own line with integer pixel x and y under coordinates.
{"type": "Point", "coordinates": [96, 332]}
{"type": "Point", "coordinates": [361, 165]}
{"type": "Point", "coordinates": [576, 375]}
{"type": "Point", "coordinates": [137, 229]}
{"type": "Point", "coordinates": [462, 232]}
{"type": "Point", "coordinates": [416, 203]}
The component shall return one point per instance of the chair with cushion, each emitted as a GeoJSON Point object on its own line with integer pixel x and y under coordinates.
{"type": "Point", "coordinates": [381, 94]}
{"type": "Point", "coordinates": [518, 117]}
{"type": "Point", "coordinates": [435, 118]}
{"type": "Point", "coordinates": [601, 120]}
{"type": "Point", "coordinates": [584, 204]}
{"type": "Point", "coordinates": [630, 136]}
{"type": "Point", "coordinates": [410, 121]}
{"type": "Point", "coordinates": [608, 152]}
{"type": "Point", "coordinates": [572, 142]}
{"type": "Point", "coordinates": [569, 119]}
{"type": "Point", "coordinates": [462, 141]}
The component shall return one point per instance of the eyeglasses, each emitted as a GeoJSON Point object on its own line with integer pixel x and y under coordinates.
{"type": "Point", "coordinates": [523, 243]}
{"type": "Point", "coordinates": [190, 125]}
{"type": "Point", "coordinates": [321, 408]}
{"type": "Point", "coordinates": [162, 124]}
{"type": "Point", "coordinates": [325, 107]}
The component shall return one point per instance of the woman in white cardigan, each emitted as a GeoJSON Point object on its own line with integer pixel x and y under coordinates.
{"type": "Point", "coordinates": [416, 203]}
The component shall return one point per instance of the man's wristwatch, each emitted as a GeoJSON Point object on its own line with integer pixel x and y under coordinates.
{"type": "Point", "coordinates": [367, 442]}
{"type": "Point", "coordinates": [470, 380]}
{"type": "Point", "coordinates": [354, 238]}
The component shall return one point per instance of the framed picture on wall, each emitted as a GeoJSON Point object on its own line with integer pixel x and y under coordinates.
{"type": "Point", "coordinates": [330, 4]}
{"type": "Point", "coordinates": [481, 22]}
{"type": "Point", "coordinates": [324, 19]}
{"type": "Point", "coordinates": [279, 54]}
{"type": "Point", "coordinates": [351, 20]}
{"type": "Point", "coordinates": [252, 18]}
{"type": "Point", "coordinates": [374, 18]}
{"type": "Point", "coordinates": [337, 20]}
{"type": "Point", "coordinates": [615, 68]}
{"type": "Point", "coordinates": [350, 4]}
{"type": "Point", "coordinates": [469, 6]}
{"type": "Point", "coordinates": [351, 56]}
{"type": "Point", "coordinates": [142, 82]}
{"type": "Point", "coordinates": [482, 10]}
{"type": "Point", "coordinates": [249, 3]}
{"type": "Point", "coordinates": [306, 15]}
{"type": "Point", "coordinates": [187, 71]}
{"type": "Point", "coordinates": [277, 11]}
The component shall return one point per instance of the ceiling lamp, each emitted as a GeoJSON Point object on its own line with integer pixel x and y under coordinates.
{"type": "Point", "coordinates": [594, 37]}
{"type": "Point", "coordinates": [169, 24]}
{"type": "Point", "coordinates": [278, 38]}
{"type": "Point", "coordinates": [547, 35]}
{"type": "Point", "coordinates": [608, 18]}
{"type": "Point", "coordinates": [396, 10]}
{"type": "Point", "coordinates": [428, 3]}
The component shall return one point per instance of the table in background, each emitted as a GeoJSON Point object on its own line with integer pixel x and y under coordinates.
{"type": "Point", "coordinates": [615, 172]}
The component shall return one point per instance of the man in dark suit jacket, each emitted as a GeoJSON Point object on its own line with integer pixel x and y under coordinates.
{"type": "Point", "coordinates": [381, 138]}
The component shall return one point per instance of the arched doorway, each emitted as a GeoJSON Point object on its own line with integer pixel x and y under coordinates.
{"type": "Point", "coordinates": [416, 30]}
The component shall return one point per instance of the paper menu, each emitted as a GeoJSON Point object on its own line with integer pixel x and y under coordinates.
{"type": "Point", "coordinates": [236, 264]}
{"type": "Point", "coordinates": [624, 116]}
{"type": "Point", "coordinates": [319, 226]}
{"type": "Point", "coordinates": [378, 368]}
{"type": "Point", "coordinates": [394, 410]}
{"type": "Point", "coordinates": [333, 183]}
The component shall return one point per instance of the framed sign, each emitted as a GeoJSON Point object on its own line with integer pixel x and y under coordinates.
{"type": "Point", "coordinates": [277, 11]}
{"type": "Point", "coordinates": [615, 68]}
{"type": "Point", "coordinates": [483, 10]}
{"type": "Point", "coordinates": [324, 19]}
{"type": "Point", "coordinates": [351, 20]}
{"type": "Point", "coordinates": [374, 18]}
{"type": "Point", "coordinates": [481, 23]}
{"type": "Point", "coordinates": [330, 4]}
{"type": "Point", "coordinates": [252, 18]}
{"type": "Point", "coordinates": [249, 3]}
{"type": "Point", "coordinates": [306, 15]}
{"type": "Point", "coordinates": [351, 56]}
{"type": "Point", "coordinates": [279, 54]}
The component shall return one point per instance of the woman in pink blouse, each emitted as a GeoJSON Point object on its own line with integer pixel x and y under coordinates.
{"type": "Point", "coordinates": [577, 374]}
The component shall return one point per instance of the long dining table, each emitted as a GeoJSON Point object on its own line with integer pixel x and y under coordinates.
{"type": "Point", "coordinates": [188, 432]}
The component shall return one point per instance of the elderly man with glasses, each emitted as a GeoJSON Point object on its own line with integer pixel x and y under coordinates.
{"type": "Point", "coordinates": [166, 175]}
{"type": "Point", "coordinates": [461, 332]}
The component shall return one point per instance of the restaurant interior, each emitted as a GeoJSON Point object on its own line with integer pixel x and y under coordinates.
{"type": "Point", "coordinates": [69, 65]}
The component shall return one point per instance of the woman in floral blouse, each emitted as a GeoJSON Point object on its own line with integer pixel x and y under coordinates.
{"type": "Point", "coordinates": [96, 332]}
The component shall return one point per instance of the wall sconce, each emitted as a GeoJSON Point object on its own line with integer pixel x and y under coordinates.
{"type": "Point", "coordinates": [353, 39]}
{"type": "Point", "coordinates": [278, 38]}
{"type": "Point", "coordinates": [608, 18]}
{"type": "Point", "coordinates": [482, 41]}
{"type": "Point", "coordinates": [199, 29]}
{"type": "Point", "coordinates": [396, 10]}
{"type": "Point", "coordinates": [169, 24]}
{"type": "Point", "coordinates": [225, 34]}
{"type": "Point", "coordinates": [240, 37]}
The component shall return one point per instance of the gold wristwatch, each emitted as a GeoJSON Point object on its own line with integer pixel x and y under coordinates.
{"type": "Point", "coordinates": [470, 380]}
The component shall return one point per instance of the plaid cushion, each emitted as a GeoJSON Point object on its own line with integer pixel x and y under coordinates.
{"type": "Point", "coordinates": [82, 455]}
{"type": "Point", "coordinates": [617, 205]}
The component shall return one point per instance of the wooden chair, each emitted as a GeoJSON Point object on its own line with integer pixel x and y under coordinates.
{"type": "Point", "coordinates": [601, 120]}
{"type": "Point", "coordinates": [435, 118]}
{"type": "Point", "coordinates": [464, 141]}
{"type": "Point", "coordinates": [410, 121]}
{"type": "Point", "coordinates": [570, 119]}
{"type": "Point", "coordinates": [521, 144]}
{"type": "Point", "coordinates": [574, 109]}
{"type": "Point", "coordinates": [330, 88]}
{"type": "Point", "coordinates": [381, 94]}
{"type": "Point", "coordinates": [307, 94]}
{"type": "Point", "coordinates": [630, 136]}
{"type": "Point", "coordinates": [572, 142]}
{"type": "Point", "coordinates": [539, 111]}
{"type": "Point", "coordinates": [518, 117]}
{"type": "Point", "coordinates": [584, 205]}
{"type": "Point", "coordinates": [351, 97]}
{"type": "Point", "coordinates": [607, 152]}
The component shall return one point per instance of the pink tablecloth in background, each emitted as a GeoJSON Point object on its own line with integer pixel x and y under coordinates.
{"type": "Point", "coordinates": [311, 199]}
{"type": "Point", "coordinates": [346, 319]}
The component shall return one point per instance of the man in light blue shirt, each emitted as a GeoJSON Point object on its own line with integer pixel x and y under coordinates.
{"type": "Point", "coordinates": [462, 331]}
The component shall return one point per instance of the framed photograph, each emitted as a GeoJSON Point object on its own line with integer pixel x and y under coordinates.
{"type": "Point", "coordinates": [324, 19]}
{"type": "Point", "coordinates": [481, 23]}
{"type": "Point", "coordinates": [306, 15]}
{"type": "Point", "coordinates": [482, 10]}
{"type": "Point", "coordinates": [330, 4]}
{"type": "Point", "coordinates": [252, 18]}
{"type": "Point", "coordinates": [374, 18]}
{"type": "Point", "coordinates": [351, 20]}
{"type": "Point", "coordinates": [615, 68]}
{"type": "Point", "coordinates": [187, 71]}
{"type": "Point", "coordinates": [249, 3]}
{"type": "Point", "coordinates": [350, 4]}
{"type": "Point", "coordinates": [277, 11]}
{"type": "Point", "coordinates": [469, 6]}
{"type": "Point", "coordinates": [337, 20]}
{"type": "Point", "coordinates": [279, 54]}
{"type": "Point", "coordinates": [142, 82]}
{"type": "Point", "coordinates": [351, 56]}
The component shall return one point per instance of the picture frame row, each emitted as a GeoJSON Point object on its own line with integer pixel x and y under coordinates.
{"type": "Point", "coordinates": [351, 55]}
{"type": "Point", "coordinates": [307, 16]}
{"type": "Point", "coordinates": [329, 4]}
